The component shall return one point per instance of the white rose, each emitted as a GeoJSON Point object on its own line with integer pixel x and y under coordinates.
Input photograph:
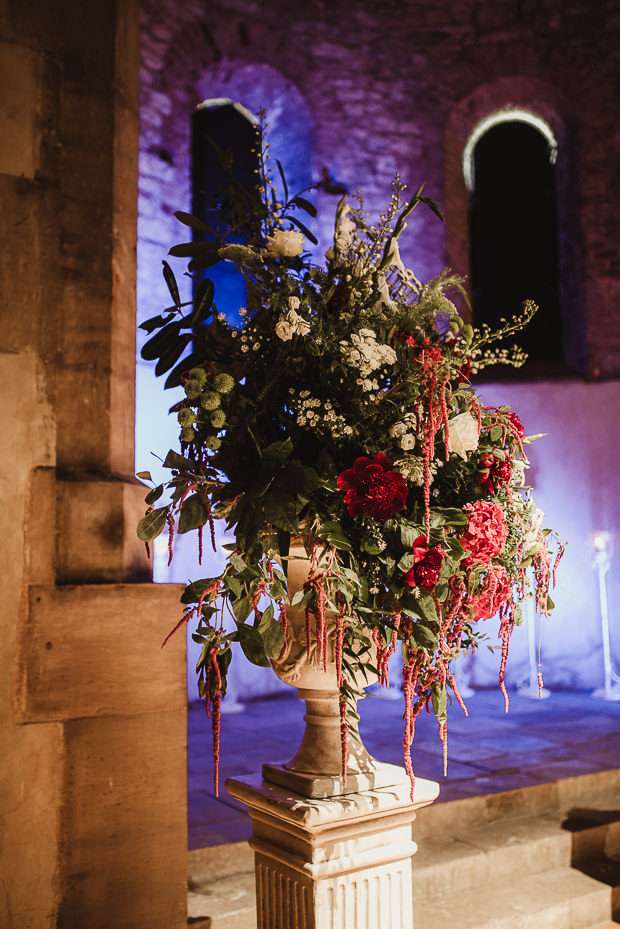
{"type": "Point", "coordinates": [397, 430]}
{"type": "Point", "coordinates": [303, 328]}
{"type": "Point", "coordinates": [293, 303]}
{"type": "Point", "coordinates": [407, 443]}
{"type": "Point", "coordinates": [284, 330]}
{"type": "Point", "coordinates": [285, 243]}
{"type": "Point", "coordinates": [463, 434]}
{"type": "Point", "coordinates": [531, 537]}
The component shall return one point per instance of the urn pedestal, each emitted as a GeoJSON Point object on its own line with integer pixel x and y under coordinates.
{"type": "Point", "coordinates": [335, 863]}
{"type": "Point", "coordinates": [330, 852]}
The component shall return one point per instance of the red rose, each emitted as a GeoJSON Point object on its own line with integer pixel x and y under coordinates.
{"type": "Point", "coordinates": [426, 565]}
{"type": "Point", "coordinates": [373, 487]}
{"type": "Point", "coordinates": [493, 472]}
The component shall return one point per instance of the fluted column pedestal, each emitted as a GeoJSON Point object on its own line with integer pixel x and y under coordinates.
{"type": "Point", "coordinates": [336, 863]}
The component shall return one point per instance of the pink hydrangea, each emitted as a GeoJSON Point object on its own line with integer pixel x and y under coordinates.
{"type": "Point", "coordinates": [486, 533]}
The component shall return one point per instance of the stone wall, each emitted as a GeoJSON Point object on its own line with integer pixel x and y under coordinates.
{"type": "Point", "coordinates": [92, 715]}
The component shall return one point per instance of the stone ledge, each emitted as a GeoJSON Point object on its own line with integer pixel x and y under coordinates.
{"type": "Point", "coordinates": [95, 650]}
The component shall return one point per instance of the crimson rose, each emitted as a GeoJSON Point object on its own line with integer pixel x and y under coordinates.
{"type": "Point", "coordinates": [493, 472]}
{"type": "Point", "coordinates": [373, 487]}
{"type": "Point", "coordinates": [426, 565]}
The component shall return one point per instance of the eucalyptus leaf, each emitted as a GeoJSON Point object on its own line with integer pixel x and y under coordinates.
{"type": "Point", "coordinates": [193, 513]}
{"type": "Point", "coordinates": [252, 645]}
{"type": "Point", "coordinates": [271, 633]}
{"type": "Point", "coordinates": [151, 525]}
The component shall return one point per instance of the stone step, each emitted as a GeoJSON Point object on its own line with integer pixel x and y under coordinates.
{"type": "Point", "coordinates": [227, 903]}
{"type": "Point", "coordinates": [561, 898]}
{"type": "Point", "coordinates": [546, 857]}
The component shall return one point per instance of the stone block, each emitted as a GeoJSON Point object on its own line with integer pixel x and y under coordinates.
{"type": "Point", "coordinates": [19, 104]}
{"type": "Point", "coordinates": [124, 816]}
{"type": "Point", "coordinates": [97, 539]}
{"type": "Point", "coordinates": [95, 650]}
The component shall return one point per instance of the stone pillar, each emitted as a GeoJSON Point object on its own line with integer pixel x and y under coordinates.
{"type": "Point", "coordinates": [337, 863]}
{"type": "Point", "coordinates": [92, 713]}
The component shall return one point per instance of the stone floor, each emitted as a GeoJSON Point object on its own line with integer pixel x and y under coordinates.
{"type": "Point", "coordinates": [538, 741]}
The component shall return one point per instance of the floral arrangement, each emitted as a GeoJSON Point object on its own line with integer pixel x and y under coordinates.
{"type": "Point", "coordinates": [340, 412]}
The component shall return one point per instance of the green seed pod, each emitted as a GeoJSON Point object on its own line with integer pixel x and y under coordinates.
{"type": "Point", "coordinates": [186, 417]}
{"type": "Point", "coordinates": [188, 434]}
{"type": "Point", "coordinates": [213, 443]}
{"type": "Point", "coordinates": [192, 390]}
{"type": "Point", "coordinates": [224, 383]}
{"type": "Point", "coordinates": [210, 400]}
{"type": "Point", "coordinates": [199, 375]}
{"type": "Point", "coordinates": [217, 418]}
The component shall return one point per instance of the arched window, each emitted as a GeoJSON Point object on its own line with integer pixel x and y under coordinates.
{"type": "Point", "coordinates": [223, 154]}
{"type": "Point", "coordinates": [509, 167]}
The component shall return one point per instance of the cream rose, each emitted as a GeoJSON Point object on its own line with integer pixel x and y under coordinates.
{"type": "Point", "coordinates": [284, 330]}
{"type": "Point", "coordinates": [463, 434]}
{"type": "Point", "coordinates": [285, 243]}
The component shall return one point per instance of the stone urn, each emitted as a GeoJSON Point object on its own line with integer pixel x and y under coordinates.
{"type": "Point", "coordinates": [316, 768]}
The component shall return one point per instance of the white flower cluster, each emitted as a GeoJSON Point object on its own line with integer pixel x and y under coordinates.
{"type": "Point", "coordinates": [405, 432]}
{"type": "Point", "coordinates": [364, 352]}
{"type": "Point", "coordinates": [319, 415]}
{"type": "Point", "coordinates": [412, 469]}
{"type": "Point", "coordinates": [292, 322]}
{"type": "Point", "coordinates": [244, 338]}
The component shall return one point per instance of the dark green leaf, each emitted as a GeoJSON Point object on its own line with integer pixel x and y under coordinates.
{"type": "Point", "coordinates": [332, 533]}
{"type": "Point", "coordinates": [406, 562]}
{"type": "Point", "coordinates": [281, 512]}
{"type": "Point", "coordinates": [271, 633]}
{"type": "Point", "coordinates": [178, 462]}
{"type": "Point", "coordinates": [204, 261]}
{"type": "Point", "coordinates": [283, 179]}
{"type": "Point", "coordinates": [448, 516]}
{"type": "Point", "coordinates": [434, 206]}
{"type": "Point", "coordinates": [174, 379]}
{"type": "Point", "coordinates": [171, 282]}
{"type": "Point", "coordinates": [237, 562]}
{"type": "Point", "coordinates": [155, 322]}
{"type": "Point", "coordinates": [188, 220]}
{"type": "Point", "coordinates": [304, 204]}
{"type": "Point", "coordinates": [242, 608]}
{"type": "Point", "coordinates": [496, 433]}
{"type": "Point", "coordinates": [192, 249]}
{"type": "Point", "coordinates": [202, 301]}
{"type": "Point", "coordinates": [152, 524]}
{"type": "Point", "coordinates": [277, 453]}
{"type": "Point", "coordinates": [194, 591]}
{"type": "Point", "coordinates": [154, 494]}
{"type": "Point", "coordinates": [440, 703]}
{"type": "Point", "coordinates": [252, 645]}
{"type": "Point", "coordinates": [193, 513]}
{"type": "Point", "coordinates": [171, 356]}
{"type": "Point", "coordinates": [161, 341]}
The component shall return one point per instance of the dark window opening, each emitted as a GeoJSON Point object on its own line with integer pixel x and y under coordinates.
{"type": "Point", "coordinates": [223, 150]}
{"type": "Point", "coordinates": [514, 236]}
